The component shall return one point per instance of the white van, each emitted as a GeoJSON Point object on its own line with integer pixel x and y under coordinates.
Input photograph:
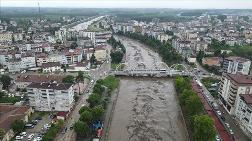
{"type": "Point", "coordinates": [30, 137]}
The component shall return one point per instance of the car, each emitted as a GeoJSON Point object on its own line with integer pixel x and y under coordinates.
{"type": "Point", "coordinates": [23, 134]}
{"type": "Point", "coordinates": [34, 122]}
{"type": "Point", "coordinates": [219, 113]}
{"type": "Point", "coordinates": [38, 138]}
{"type": "Point", "coordinates": [19, 137]}
{"type": "Point", "coordinates": [71, 127]}
{"type": "Point", "coordinates": [231, 131]}
{"type": "Point", "coordinates": [40, 135]}
{"type": "Point", "coordinates": [47, 126]}
{"type": "Point", "coordinates": [30, 137]}
{"type": "Point", "coordinates": [29, 126]}
{"type": "Point", "coordinates": [217, 138]}
{"type": "Point", "coordinates": [227, 124]}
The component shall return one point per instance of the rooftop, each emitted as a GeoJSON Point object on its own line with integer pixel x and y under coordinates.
{"type": "Point", "coordinates": [247, 98]}
{"type": "Point", "coordinates": [51, 64]}
{"type": "Point", "coordinates": [39, 78]}
{"type": "Point", "coordinates": [240, 79]}
{"type": "Point", "coordinates": [236, 58]}
{"type": "Point", "coordinates": [9, 113]}
{"type": "Point", "coordinates": [55, 86]}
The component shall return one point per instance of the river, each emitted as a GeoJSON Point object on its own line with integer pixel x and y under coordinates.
{"type": "Point", "coordinates": [146, 109]}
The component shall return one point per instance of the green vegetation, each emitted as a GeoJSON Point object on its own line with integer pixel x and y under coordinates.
{"type": "Point", "coordinates": [97, 105]}
{"type": "Point", "coordinates": [165, 49]}
{"type": "Point", "coordinates": [17, 125]}
{"type": "Point", "coordinates": [68, 79]}
{"type": "Point", "coordinates": [200, 126]}
{"type": "Point", "coordinates": [52, 132]}
{"type": "Point", "coordinates": [117, 52]}
{"type": "Point", "coordinates": [6, 81]}
{"type": "Point", "coordinates": [119, 66]}
{"type": "Point", "coordinates": [208, 82]}
{"type": "Point", "coordinates": [2, 133]}
{"type": "Point", "coordinates": [6, 99]}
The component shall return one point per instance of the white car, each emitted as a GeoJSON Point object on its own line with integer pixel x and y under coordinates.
{"type": "Point", "coordinates": [231, 131]}
{"type": "Point", "coordinates": [227, 124]}
{"type": "Point", "coordinates": [38, 138]}
{"type": "Point", "coordinates": [30, 137]}
{"type": "Point", "coordinates": [19, 137]}
{"type": "Point", "coordinates": [217, 138]}
{"type": "Point", "coordinates": [23, 134]}
{"type": "Point", "coordinates": [219, 113]}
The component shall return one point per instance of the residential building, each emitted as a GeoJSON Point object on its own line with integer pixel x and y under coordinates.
{"type": "Point", "coordinates": [5, 37]}
{"type": "Point", "coordinates": [243, 112]}
{"type": "Point", "coordinates": [74, 55]}
{"type": "Point", "coordinates": [231, 86]}
{"type": "Point", "coordinates": [51, 67]}
{"type": "Point", "coordinates": [236, 65]}
{"type": "Point", "coordinates": [51, 96]}
{"type": "Point", "coordinates": [22, 81]}
{"type": "Point", "coordinates": [10, 113]}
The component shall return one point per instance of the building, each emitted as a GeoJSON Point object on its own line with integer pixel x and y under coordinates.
{"type": "Point", "coordinates": [10, 113]}
{"type": "Point", "coordinates": [51, 96]}
{"type": "Point", "coordinates": [51, 67]}
{"type": "Point", "coordinates": [74, 56]}
{"type": "Point", "coordinates": [236, 65]}
{"type": "Point", "coordinates": [231, 86]}
{"type": "Point", "coordinates": [243, 112]}
{"type": "Point", "coordinates": [5, 37]}
{"type": "Point", "coordinates": [22, 81]}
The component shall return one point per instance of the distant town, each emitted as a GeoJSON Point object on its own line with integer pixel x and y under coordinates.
{"type": "Point", "coordinates": [110, 77]}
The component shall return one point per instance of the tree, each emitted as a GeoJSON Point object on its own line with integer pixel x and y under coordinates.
{"type": "Point", "coordinates": [86, 116]}
{"type": "Point", "coordinates": [94, 99]}
{"type": "Point", "coordinates": [193, 104]}
{"type": "Point", "coordinates": [116, 57]}
{"type": "Point", "coordinates": [93, 59]}
{"type": "Point", "coordinates": [2, 133]}
{"type": "Point", "coordinates": [74, 45]}
{"type": "Point", "coordinates": [81, 128]}
{"type": "Point", "coordinates": [17, 126]}
{"type": "Point", "coordinates": [68, 79]}
{"type": "Point", "coordinates": [203, 128]}
{"type": "Point", "coordinates": [97, 112]}
{"type": "Point", "coordinates": [183, 97]}
{"type": "Point", "coordinates": [6, 81]}
{"type": "Point", "coordinates": [200, 56]}
{"type": "Point", "coordinates": [84, 108]}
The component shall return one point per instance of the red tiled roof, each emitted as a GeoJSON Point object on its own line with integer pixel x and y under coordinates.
{"type": "Point", "coordinates": [39, 78]}
{"type": "Point", "coordinates": [240, 79]}
{"type": "Point", "coordinates": [9, 113]}
{"type": "Point", "coordinates": [236, 58]}
{"type": "Point", "coordinates": [247, 98]}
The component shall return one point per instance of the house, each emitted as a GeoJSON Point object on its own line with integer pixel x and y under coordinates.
{"type": "Point", "coordinates": [51, 96]}
{"type": "Point", "coordinates": [232, 85]}
{"type": "Point", "coordinates": [22, 81]}
{"type": "Point", "coordinates": [243, 112]}
{"type": "Point", "coordinates": [51, 67]}
{"type": "Point", "coordinates": [236, 64]}
{"type": "Point", "coordinates": [10, 113]}
{"type": "Point", "coordinates": [74, 55]}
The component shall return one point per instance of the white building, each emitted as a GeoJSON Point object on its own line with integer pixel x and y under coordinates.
{"type": "Point", "coordinates": [236, 65]}
{"type": "Point", "coordinates": [243, 112]}
{"type": "Point", "coordinates": [231, 86]}
{"type": "Point", "coordinates": [51, 67]}
{"type": "Point", "coordinates": [51, 96]}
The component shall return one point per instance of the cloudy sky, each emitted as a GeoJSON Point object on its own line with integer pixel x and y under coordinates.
{"type": "Point", "coordinates": [189, 4]}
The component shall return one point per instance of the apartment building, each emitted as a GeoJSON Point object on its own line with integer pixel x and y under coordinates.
{"type": "Point", "coordinates": [5, 37]}
{"type": "Point", "coordinates": [243, 112]}
{"type": "Point", "coordinates": [232, 85]}
{"type": "Point", "coordinates": [51, 67]}
{"type": "Point", "coordinates": [51, 96]}
{"type": "Point", "coordinates": [236, 65]}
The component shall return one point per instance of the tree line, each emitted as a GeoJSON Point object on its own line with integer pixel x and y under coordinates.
{"type": "Point", "coordinates": [118, 50]}
{"type": "Point", "coordinates": [200, 126]}
{"type": "Point", "coordinates": [165, 50]}
{"type": "Point", "coordinates": [93, 114]}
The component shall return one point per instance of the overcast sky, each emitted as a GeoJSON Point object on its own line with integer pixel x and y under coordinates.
{"type": "Point", "coordinates": [189, 4]}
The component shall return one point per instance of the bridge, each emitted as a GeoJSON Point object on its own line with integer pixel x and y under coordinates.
{"type": "Point", "coordinates": [150, 73]}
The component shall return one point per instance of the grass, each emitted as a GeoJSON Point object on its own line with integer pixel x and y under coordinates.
{"type": "Point", "coordinates": [115, 66]}
{"type": "Point", "coordinates": [12, 100]}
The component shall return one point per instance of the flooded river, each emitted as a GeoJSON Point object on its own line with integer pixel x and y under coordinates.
{"type": "Point", "coordinates": [146, 109]}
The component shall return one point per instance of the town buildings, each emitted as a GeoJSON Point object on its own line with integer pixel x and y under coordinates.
{"type": "Point", "coordinates": [236, 65]}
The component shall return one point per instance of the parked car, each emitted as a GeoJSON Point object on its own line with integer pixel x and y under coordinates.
{"type": "Point", "coordinates": [71, 127]}
{"type": "Point", "coordinates": [219, 113]}
{"type": "Point", "coordinates": [30, 137]}
{"type": "Point", "coordinates": [231, 131]}
{"type": "Point", "coordinates": [38, 138]}
{"type": "Point", "coordinates": [227, 124]}
{"type": "Point", "coordinates": [23, 134]}
{"type": "Point", "coordinates": [217, 138]}
{"type": "Point", "coordinates": [29, 125]}
{"type": "Point", "coordinates": [19, 137]}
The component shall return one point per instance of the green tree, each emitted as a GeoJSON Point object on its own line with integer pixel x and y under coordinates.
{"type": "Point", "coordinates": [93, 60]}
{"type": "Point", "coordinates": [84, 108]}
{"type": "Point", "coordinates": [17, 126]}
{"type": "Point", "coordinates": [68, 79]}
{"type": "Point", "coordinates": [183, 97]}
{"type": "Point", "coordinates": [116, 57]}
{"type": "Point", "coordinates": [94, 99]}
{"type": "Point", "coordinates": [203, 128]}
{"type": "Point", "coordinates": [193, 104]}
{"type": "Point", "coordinates": [6, 81]}
{"type": "Point", "coordinates": [86, 116]}
{"type": "Point", "coordinates": [74, 45]}
{"type": "Point", "coordinates": [82, 129]}
{"type": "Point", "coordinates": [2, 133]}
{"type": "Point", "coordinates": [97, 112]}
